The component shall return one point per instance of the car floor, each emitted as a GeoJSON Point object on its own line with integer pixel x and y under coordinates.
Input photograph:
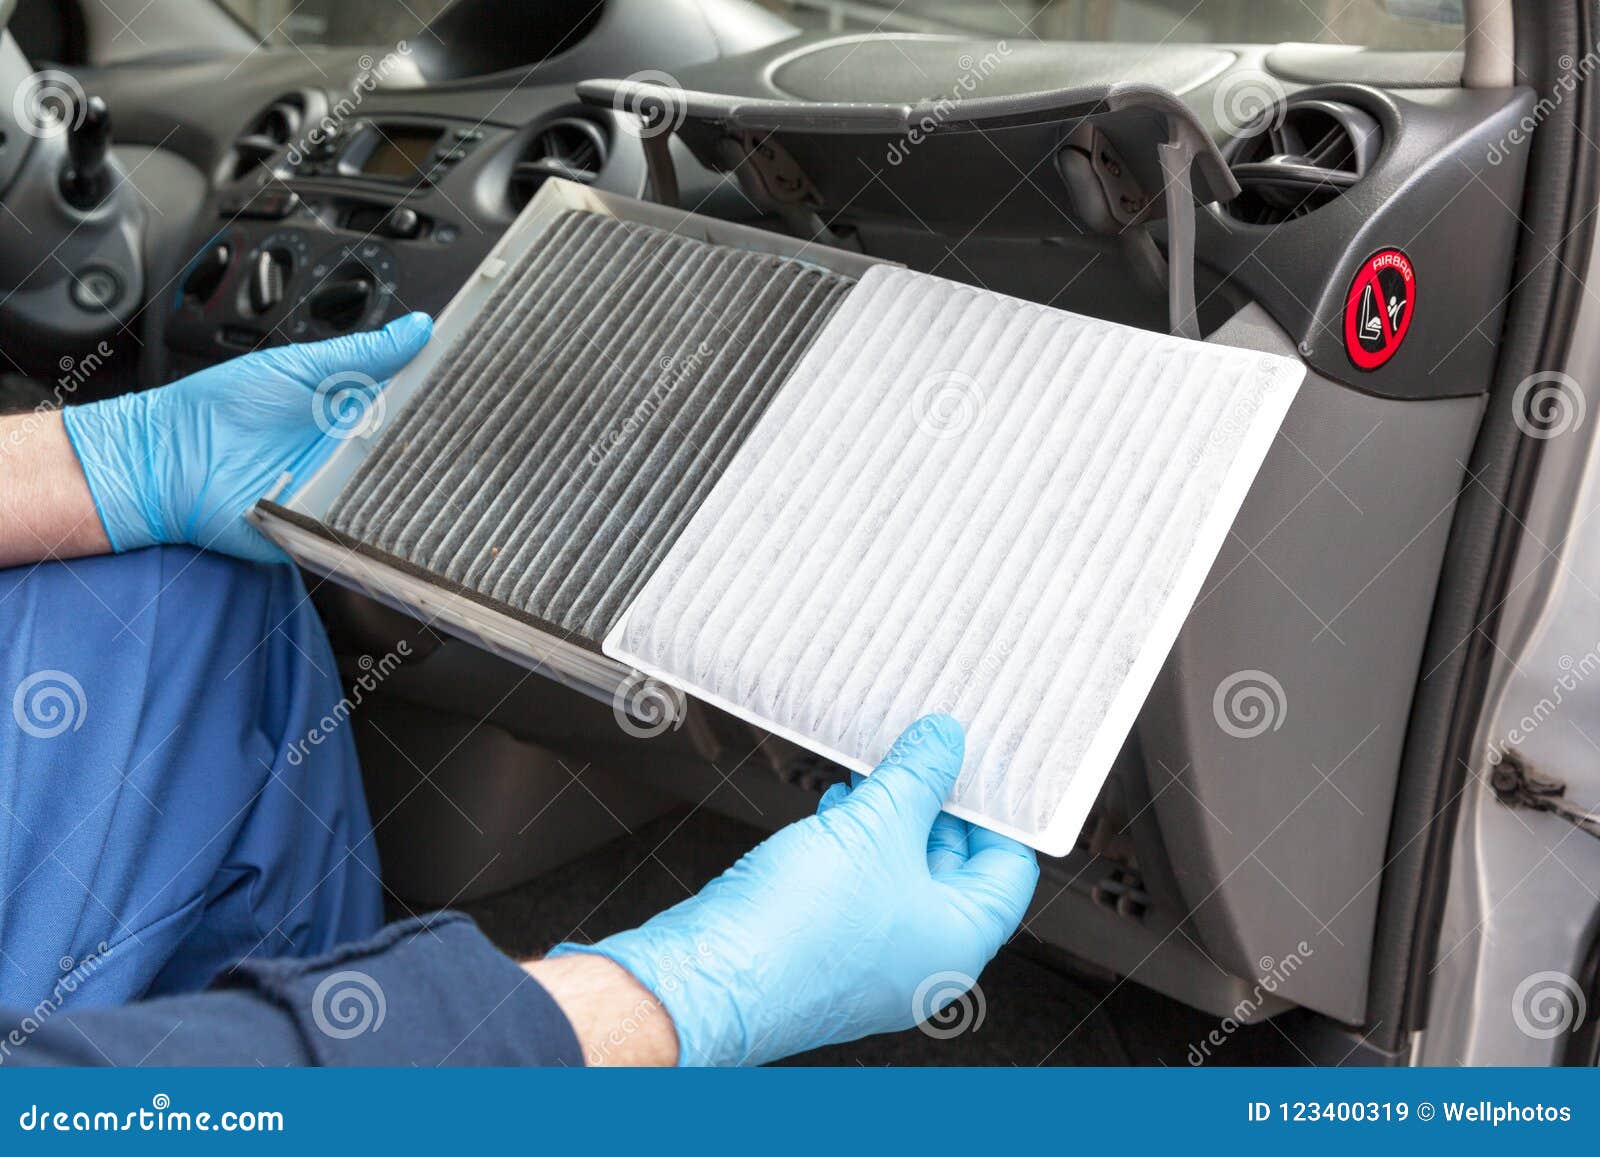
{"type": "Point", "coordinates": [1034, 1011]}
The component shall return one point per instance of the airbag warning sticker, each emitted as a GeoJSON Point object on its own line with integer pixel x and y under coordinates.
{"type": "Point", "coordinates": [1377, 310]}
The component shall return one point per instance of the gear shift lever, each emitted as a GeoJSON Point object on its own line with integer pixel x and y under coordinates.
{"type": "Point", "coordinates": [85, 179]}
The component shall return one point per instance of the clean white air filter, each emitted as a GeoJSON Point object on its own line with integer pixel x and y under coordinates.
{"type": "Point", "coordinates": [963, 502]}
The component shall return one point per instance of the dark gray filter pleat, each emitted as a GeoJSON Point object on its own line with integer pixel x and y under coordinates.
{"type": "Point", "coordinates": [557, 450]}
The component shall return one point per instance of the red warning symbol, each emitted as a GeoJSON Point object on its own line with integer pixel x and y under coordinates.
{"type": "Point", "coordinates": [1377, 310]}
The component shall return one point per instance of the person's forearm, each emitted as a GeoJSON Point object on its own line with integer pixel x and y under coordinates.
{"type": "Point", "coordinates": [46, 510]}
{"type": "Point", "coordinates": [616, 1019]}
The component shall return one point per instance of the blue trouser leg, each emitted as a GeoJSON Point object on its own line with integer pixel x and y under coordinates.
{"type": "Point", "coordinates": [160, 813]}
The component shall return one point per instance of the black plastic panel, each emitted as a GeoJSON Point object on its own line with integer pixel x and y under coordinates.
{"type": "Point", "coordinates": [1445, 190]}
{"type": "Point", "coordinates": [984, 162]}
{"type": "Point", "coordinates": [893, 69]}
{"type": "Point", "coordinates": [958, 141]}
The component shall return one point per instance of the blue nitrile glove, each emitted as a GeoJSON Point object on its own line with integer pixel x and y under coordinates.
{"type": "Point", "coordinates": [841, 925]}
{"type": "Point", "coordinates": [182, 463]}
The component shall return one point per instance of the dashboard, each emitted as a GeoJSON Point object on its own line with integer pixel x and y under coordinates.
{"type": "Point", "coordinates": [356, 227]}
{"type": "Point", "coordinates": [326, 214]}
{"type": "Point", "coordinates": [310, 203]}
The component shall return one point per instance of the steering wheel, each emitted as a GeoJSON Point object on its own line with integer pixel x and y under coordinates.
{"type": "Point", "coordinates": [71, 226]}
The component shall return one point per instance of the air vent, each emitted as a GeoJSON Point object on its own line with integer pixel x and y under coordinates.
{"type": "Point", "coordinates": [273, 129]}
{"type": "Point", "coordinates": [1297, 158]}
{"type": "Point", "coordinates": [573, 148]}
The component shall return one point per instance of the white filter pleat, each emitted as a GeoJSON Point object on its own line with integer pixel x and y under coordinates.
{"type": "Point", "coordinates": [967, 503]}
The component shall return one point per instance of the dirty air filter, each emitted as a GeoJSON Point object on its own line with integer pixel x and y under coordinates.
{"type": "Point", "coordinates": [961, 502]}
{"type": "Point", "coordinates": [559, 446]}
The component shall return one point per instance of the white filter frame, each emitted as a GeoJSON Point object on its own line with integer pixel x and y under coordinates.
{"type": "Point", "coordinates": [1280, 380]}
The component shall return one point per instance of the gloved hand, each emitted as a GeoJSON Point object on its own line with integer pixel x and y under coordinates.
{"type": "Point", "coordinates": [837, 926]}
{"type": "Point", "coordinates": [182, 463]}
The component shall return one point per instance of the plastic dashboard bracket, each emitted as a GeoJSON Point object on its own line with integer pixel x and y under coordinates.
{"type": "Point", "coordinates": [1103, 159]}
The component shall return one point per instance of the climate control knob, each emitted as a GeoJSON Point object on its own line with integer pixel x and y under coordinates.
{"type": "Point", "coordinates": [351, 288]}
{"type": "Point", "coordinates": [343, 300]}
{"type": "Point", "coordinates": [269, 272]}
{"type": "Point", "coordinates": [269, 279]}
{"type": "Point", "coordinates": [206, 273]}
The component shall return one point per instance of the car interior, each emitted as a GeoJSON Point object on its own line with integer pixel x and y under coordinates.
{"type": "Point", "coordinates": [1282, 875]}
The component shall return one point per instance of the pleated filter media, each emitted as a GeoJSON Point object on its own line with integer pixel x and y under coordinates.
{"type": "Point", "coordinates": [557, 449]}
{"type": "Point", "coordinates": [966, 503]}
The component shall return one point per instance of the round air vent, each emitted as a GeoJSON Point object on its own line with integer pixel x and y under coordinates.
{"type": "Point", "coordinates": [573, 148]}
{"type": "Point", "coordinates": [1299, 156]}
{"type": "Point", "coordinates": [273, 128]}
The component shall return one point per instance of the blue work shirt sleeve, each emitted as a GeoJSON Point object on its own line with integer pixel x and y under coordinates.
{"type": "Point", "coordinates": [431, 991]}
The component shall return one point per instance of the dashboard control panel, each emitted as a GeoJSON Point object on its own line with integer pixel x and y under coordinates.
{"type": "Point", "coordinates": [344, 233]}
{"type": "Point", "coordinates": [289, 284]}
{"type": "Point", "coordinates": [390, 152]}
{"type": "Point", "coordinates": [350, 288]}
